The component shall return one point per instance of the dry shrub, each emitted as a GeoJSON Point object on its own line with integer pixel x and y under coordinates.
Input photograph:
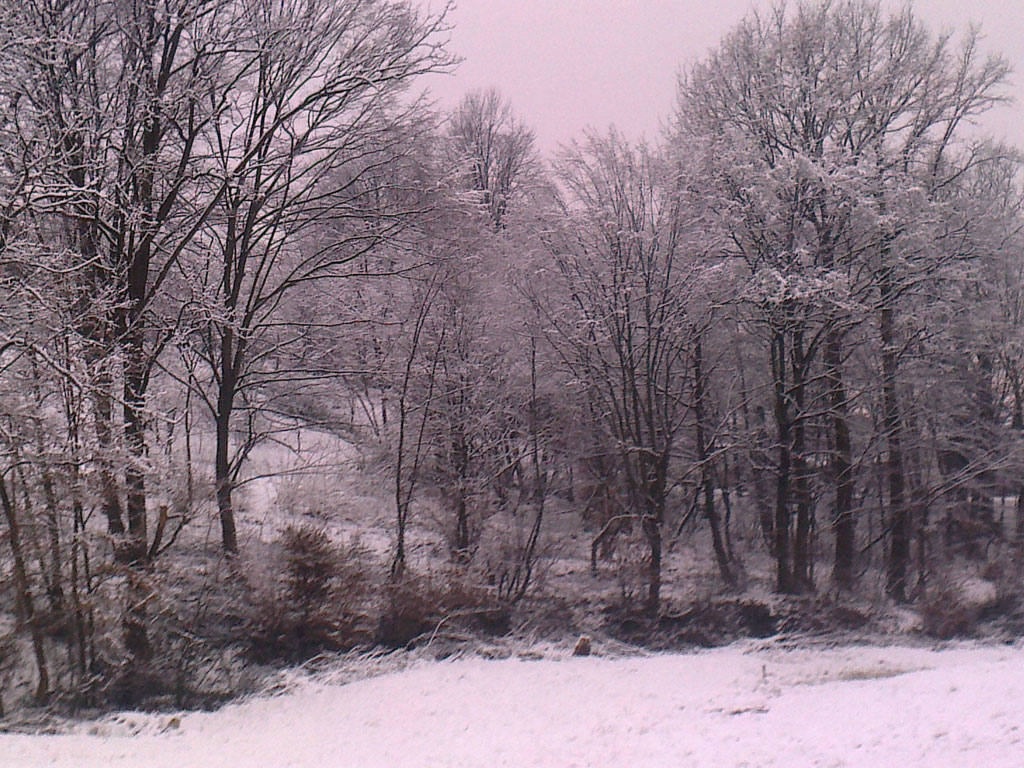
{"type": "Point", "coordinates": [631, 564]}
{"type": "Point", "coordinates": [311, 562]}
{"type": "Point", "coordinates": [418, 606]}
{"type": "Point", "coordinates": [705, 623]}
{"type": "Point", "coordinates": [1006, 574]}
{"type": "Point", "coordinates": [953, 606]}
{"type": "Point", "coordinates": [1005, 611]}
{"type": "Point", "coordinates": [945, 615]}
{"type": "Point", "coordinates": [317, 602]}
{"type": "Point", "coordinates": [959, 605]}
{"type": "Point", "coordinates": [192, 618]}
{"type": "Point", "coordinates": [10, 665]}
{"type": "Point", "coordinates": [507, 564]}
{"type": "Point", "coordinates": [881, 671]}
{"type": "Point", "coordinates": [441, 520]}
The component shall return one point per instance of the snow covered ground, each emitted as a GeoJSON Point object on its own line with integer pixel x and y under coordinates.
{"type": "Point", "coordinates": [739, 706]}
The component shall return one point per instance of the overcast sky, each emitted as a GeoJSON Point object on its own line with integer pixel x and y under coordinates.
{"type": "Point", "coordinates": [567, 64]}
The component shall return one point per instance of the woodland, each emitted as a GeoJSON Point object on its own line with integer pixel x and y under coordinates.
{"type": "Point", "coordinates": [294, 361]}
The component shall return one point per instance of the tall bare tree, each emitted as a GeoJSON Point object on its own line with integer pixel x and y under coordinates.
{"type": "Point", "coordinates": [494, 149]}
{"type": "Point", "coordinates": [632, 263]}
{"type": "Point", "coordinates": [306, 168]}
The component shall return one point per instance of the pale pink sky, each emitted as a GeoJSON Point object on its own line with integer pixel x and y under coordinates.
{"type": "Point", "coordinates": [567, 64]}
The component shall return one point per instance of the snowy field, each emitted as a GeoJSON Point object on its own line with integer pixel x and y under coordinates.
{"type": "Point", "coordinates": [738, 706]}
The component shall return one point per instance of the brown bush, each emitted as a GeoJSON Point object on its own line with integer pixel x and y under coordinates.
{"type": "Point", "coordinates": [317, 602]}
{"type": "Point", "coordinates": [311, 561]}
{"type": "Point", "coordinates": [420, 606]}
{"type": "Point", "coordinates": [945, 615]}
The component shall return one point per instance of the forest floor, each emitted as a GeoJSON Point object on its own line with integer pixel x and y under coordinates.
{"type": "Point", "coordinates": [755, 703]}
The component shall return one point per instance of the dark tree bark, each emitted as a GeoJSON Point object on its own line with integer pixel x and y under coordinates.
{"type": "Point", "coordinates": [704, 458]}
{"type": "Point", "coordinates": [227, 387]}
{"type": "Point", "coordinates": [136, 377]}
{"type": "Point", "coordinates": [842, 466]}
{"type": "Point", "coordinates": [103, 419]}
{"type": "Point", "coordinates": [899, 518]}
{"type": "Point", "coordinates": [24, 592]}
{"type": "Point", "coordinates": [783, 570]}
{"type": "Point", "coordinates": [802, 564]}
{"type": "Point", "coordinates": [223, 478]}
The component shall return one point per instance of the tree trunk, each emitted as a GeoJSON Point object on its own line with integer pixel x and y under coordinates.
{"type": "Point", "coordinates": [703, 456]}
{"type": "Point", "coordinates": [842, 465]}
{"type": "Point", "coordinates": [80, 576]}
{"type": "Point", "coordinates": [135, 381]}
{"type": "Point", "coordinates": [653, 521]}
{"type": "Point", "coordinates": [759, 463]}
{"type": "Point", "coordinates": [222, 462]}
{"type": "Point", "coordinates": [56, 562]}
{"type": "Point", "coordinates": [224, 484]}
{"type": "Point", "coordinates": [130, 320]}
{"type": "Point", "coordinates": [540, 487]}
{"type": "Point", "coordinates": [190, 483]}
{"type": "Point", "coordinates": [921, 512]}
{"type": "Point", "coordinates": [1020, 515]}
{"type": "Point", "coordinates": [25, 594]}
{"type": "Point", "coordinates": [647, 489]}
{"type": "Point", "coordinates": [55, 578]}
{"type": "Point", "coordinates": [460, 455]}
{"type": "Point", "coordinates": [727, 520]}
{"type": "Point", "coordinates": [899, 527]}
{"type": "Point", "coordinates": [784, 576]}
{"type": "Point", "coordinates": [405, 482]}
{"type": "Point", "coordinates": [802, 565]}
{"type": "Point", "coordinates": [103, 420]}
{"type": "Point", "coordinates": [401, 506]}
{"type": "Point", "coordinates": [1018, 426]}
{"type": "Point", "coordinates": [652, 531]}
{"type": "Point", "coordinates": [135, 621]}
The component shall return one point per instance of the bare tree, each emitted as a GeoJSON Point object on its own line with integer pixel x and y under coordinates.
{"type": "Point", "coordinates": [631, 264]}
{"type": "Point", "coordinates": [495, 150]}
{"type": "Point", "coordinates": [832, 111]}
{"type": "Point", "coordinates": [303, 167]}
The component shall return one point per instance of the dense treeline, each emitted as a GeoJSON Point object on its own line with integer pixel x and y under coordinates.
{"type": "Point", "coordinates": [803, 304]}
